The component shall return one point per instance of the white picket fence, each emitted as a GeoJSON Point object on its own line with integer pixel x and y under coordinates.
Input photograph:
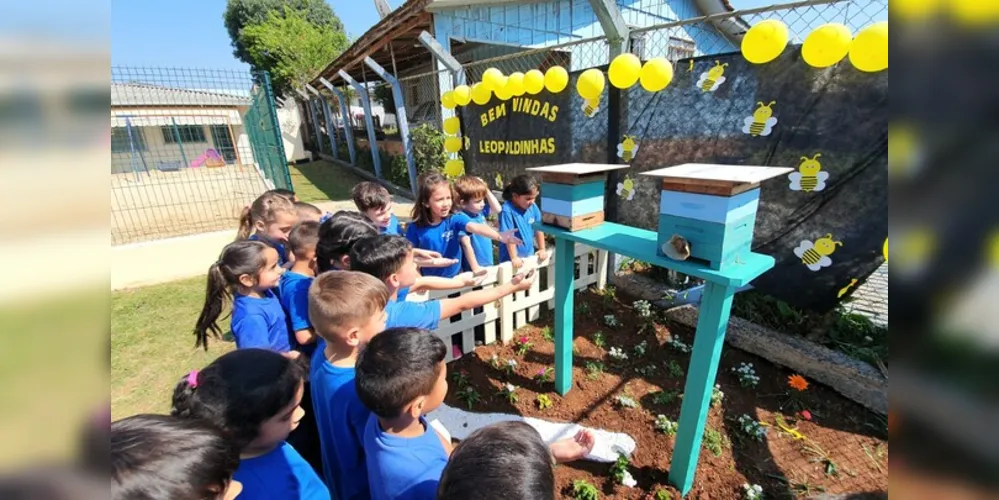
{"type": "Point", "coordinates": [498, 320]}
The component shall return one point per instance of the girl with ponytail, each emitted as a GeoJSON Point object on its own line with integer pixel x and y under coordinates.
{"type": "Point", "coordinates": [269, 219]}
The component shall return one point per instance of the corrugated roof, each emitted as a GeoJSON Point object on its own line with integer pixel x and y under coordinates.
{"type": "Point", "coordinates": [141, 94]}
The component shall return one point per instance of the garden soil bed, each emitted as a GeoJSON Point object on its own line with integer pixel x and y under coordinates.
{"type": "Point", "coordinates": [843, 449]}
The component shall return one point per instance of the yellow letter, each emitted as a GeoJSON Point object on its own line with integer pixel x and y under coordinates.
{"type": "Point", "coordinates": [553, 114]}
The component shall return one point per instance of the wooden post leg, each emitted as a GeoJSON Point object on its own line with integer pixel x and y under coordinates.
{"type": "Point", "coordinates": [708, 341]}
{"type": "Point", "coordinates": [565, 278]}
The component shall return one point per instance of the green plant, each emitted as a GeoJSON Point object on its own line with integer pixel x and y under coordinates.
{"type": "Point", "coordinates": [583, 490]}
{"type": "Point", "coordinates": [470, 396]}
{"type": "Point", "coordinates": [641, 349]}
{"type": "Point", "coordinates": [647, 370]}
{"type": "Point", "coordinates": [752, 428]}
{"type": "Point", "coordinates": [673, 369]}
{"type": "Point", "coordinates": [511, 366]}
{"type": "Point", "coordinates": [544, 402]}
{"type": "Point", "coordinates": [617, 354]}
{"type": "Point", "coordinates": [717, 396]}
{"type": "Point", "coordinates": [496, 362]}
{"type": "Point", "coordinates": [625, 401]}
{"type": "Point", "coordinates": [509, 392]}
{"type": "Point", "coordinates": [664, 398]}
{"type": "Point", "coordinates": [678, 345]}
{"type": "Point", "coordinates": [611, 321]}
{"type": "Point", "coordinates": [521, 345]}
{"type": "Point", "coordinates": [599, 340]}
{"type": "Point", "coordinates": [752, 492]}
{"type": "Point", "coordinates": [609, 295]}
{"type": "Point", "coordinates": [460, 379]}
{"type": "Point", "coordinates": [666, 426]}
{"type": "Point", "coordinates": [619, 471]}
{"type": "Point", "coordinates": [545, 375]}
{"type": "Point", "coordinates": [747, 375]}
{"type": "Point", "coordinates": [428, 148]}
{"type": "Point", "coordinates": [548, 334]}
{"type": "Point", "coordinates": [643, 309]}
{"type": "Point", "coordinates": [713, 441]}
{"type": "Point", "coordinates": [584, 308]}
{"type": "Point", "coordinates": [663, 495]}
{"type": "Point", "coordinates": [594, 369]}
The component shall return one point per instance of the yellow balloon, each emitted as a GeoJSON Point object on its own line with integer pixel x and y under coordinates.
{"type": "Point", "coordinates": [503, 93]}
{"type": "Point", "coordinates": [913, 10]}
{"type": "Point", "coordinates": [452, 144]}
{"type": "Point", "coordinates": [975, 13]}
{"type": "Point", "coordinates": [515, 84]}
{"type": "Point", "coordinates": [870, 49]}
{"type": "Point", "coordinates": [481, 94]}
{"type": "Point", "coordinates": [534, 81]}
{"type": "Point", "coordinates": [764, 41]}
{"type": "Point", "coordinates": [827, 45]}
{"type": "Point", "coordinates": [590, 84]}
{"type": "Point", "coordinates": [447, 100]}
{"type": "Point", "coordinates": [885, 251]}
{"type": "Point", "coordinates": [556, 79]}
{"type": "Point", "coordinates": [656, 74]}
{"type": "Point", "coordinates": [462, 95]}
{"type": "Point", "coordinates": [452, 125]}
{"type": "Point", "coordinates": [624, 70]}
{"type": "Point", "coordinates": [493, 78]}
{"type": "Point", "coordinates": [454, 168]}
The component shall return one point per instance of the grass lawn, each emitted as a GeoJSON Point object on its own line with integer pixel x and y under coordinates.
{"type": "Point", "coordinates": [322, 180]}
{"type": "Point", "coordinates": [152, 346]}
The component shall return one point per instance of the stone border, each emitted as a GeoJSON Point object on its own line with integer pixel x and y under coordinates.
{"type": "Point", "coordinates": [852, 378]}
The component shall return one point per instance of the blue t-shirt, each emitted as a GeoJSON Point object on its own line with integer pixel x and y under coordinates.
{"type": "Point", "coordinates": [482, 246]}
{"type": "Point", "coordinates": [392, 228]}
{"type": "Point", "coordinates": [442, 238]}
{"type": "Point", "coordinates": [403, 468]}
{"type": "Point", "coordinates": [260, 323]}
{"type": "Point", "coordinates": [523, 221]}
{"type": "Point", "coordinates": [281, 250]}
{"type": "Point", "coordinates": [294, 296]}
{"type": "Point", "coordinates": [402, 314]}
{"type": "Point", "coordinates": [280, 474]}
{"type": "Point", "coordinates": [342, 419]}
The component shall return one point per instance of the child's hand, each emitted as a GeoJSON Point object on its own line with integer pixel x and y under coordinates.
{"type": "Point", "coordinates": [542, 256]}
{"type": "Point", "coordinates": [516, 261]}
{"type": "Point", "coordinates": [570, 450]}
{"type": "Point", "coordinates": [523, 281]}
{"type": "Point", "coordinates": [510, 238]}
{"type": "Point", "coordinates": [471, 278]}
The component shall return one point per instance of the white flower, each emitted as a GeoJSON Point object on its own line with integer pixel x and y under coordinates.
{"type": "Point", "coordinates": [510, 388]}
{"type": "Point", "coordinates": [617, 353]}
{"type": "Point", "coordinates": [512, 363]}
{"type": "Point", "coordinates": [628, 480]}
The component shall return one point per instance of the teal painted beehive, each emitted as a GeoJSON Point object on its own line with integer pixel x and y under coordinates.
{"type": "Point", "coordinates": [708, 212]}
{"type": "Point", "coordinates": [572, 195]}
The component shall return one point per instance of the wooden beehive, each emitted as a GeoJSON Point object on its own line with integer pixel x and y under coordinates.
{"type": "Point", "coordinates": [712, 207]}
{"type": "Point", "coordinates": [572, 195]}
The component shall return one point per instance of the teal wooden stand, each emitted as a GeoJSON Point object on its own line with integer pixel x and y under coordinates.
{"type": "Point", "coordinates": [716, 306]}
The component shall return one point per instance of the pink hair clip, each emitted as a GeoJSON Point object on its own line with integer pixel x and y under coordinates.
{"type": "Point", "coordinates": [192, 379]}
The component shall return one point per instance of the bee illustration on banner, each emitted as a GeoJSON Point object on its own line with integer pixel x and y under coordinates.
{"type": "Point", "coordinates": [843, 291]}
{"type": "Point", "coordinates": [762, 121]}
{"type": "Point", "coordinates": [690, 68]}
{"type": "Point", "coordinates": [816, 255]}
{"type": "Point", "coordinates": [809, 176]}
{"type": "Point", "coordinates": [711, 79]}
{"type": "Point", "coordinates": [626, 189]}
{"type": "Point", "coordinates": [627, 149]}
{"type": "Point", "coordinates": [591, 107]}
{"type": "Point", "coordinates": [499, 181]}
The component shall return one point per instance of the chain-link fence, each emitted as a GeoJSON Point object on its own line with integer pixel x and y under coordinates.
{"type": "Point", "coordinates": [189, 149]}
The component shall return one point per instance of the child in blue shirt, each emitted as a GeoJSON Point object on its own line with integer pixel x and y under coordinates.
{"type": "Point", "coordinates": [249, 271]}
{"type": "Point", "coordinates": [294, 285]}
{"type": "Point", "coordinates": [339, 232]}
{"type": "Point", "coordinates": [269, 219]}
{"type": "Point", "coordinates": [347, 310]}
{"type": "Point", "coordinates": [473, 193]}
{"type": "Point", "coordinates": [435, 228]}
{"type": "Point", "coordinates": [253, 396]}
{"type": "Point", "coordinates": [518, 216]}
{"type": "Point", "coordinates": [401, 376]}
{"type": "Point", "coordinates": [375, 202]}
{"type": "Point", "coordinates": [390, 259]}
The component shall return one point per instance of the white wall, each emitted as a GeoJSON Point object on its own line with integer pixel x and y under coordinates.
{"type": "Point", "coordinates": [290, 120]}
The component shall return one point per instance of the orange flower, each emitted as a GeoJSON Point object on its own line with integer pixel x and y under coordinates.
{"type": "Point", "coordinates": [797, 382]}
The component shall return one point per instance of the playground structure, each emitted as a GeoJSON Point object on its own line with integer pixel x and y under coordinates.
{"type": "Point", "coordinates": [738, 267]}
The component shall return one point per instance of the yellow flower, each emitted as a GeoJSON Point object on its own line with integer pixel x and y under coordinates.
{"type": "Point", "coordinates": [797, 382]}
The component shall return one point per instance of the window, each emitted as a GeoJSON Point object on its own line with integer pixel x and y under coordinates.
{"type": "Point", "coordinates": [680, 49]}
{"type": "Point", "coordinates": [187, 133]}
{"type": "Point", "coordinates": [120, 141]}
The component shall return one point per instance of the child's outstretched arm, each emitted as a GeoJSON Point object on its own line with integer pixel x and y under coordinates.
{"type": "Point", "coordinates": [506, 237]}
{"type": "Point", "coordinates": [466, 248]}
{"type": "Point", "coordinates": [306, 336]}
{"type": "Point", "coordinates": [428, 258]}
{"type": "Point", "coordinates": [462, 280]}
{"type": "Point", "coordinates": [478, 298]}
{"type": "Point", "coordinates": [539, 244]}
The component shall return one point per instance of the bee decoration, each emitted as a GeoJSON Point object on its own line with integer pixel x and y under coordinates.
{"type": "Point", "coordinates": [762, 121]}
{"type": "Point", "coordinates": [499, 181]}
{"type": "Point", "coordinates": [590, 107]}
{"type": "Point", "coordinates": [843, 291]}
{"type": "Point", "coordinates": [711, 79]}
{"type": "Point", "coordinates": [627, 149]}
{"type": "Point", "coordinates": [626, 189]}
{"type": "Point", "coordinates": [815, 256]}
{"type": "Point", "coordinates": [809, 176]}
{"type": "Point", "coordinates": [690, 68]}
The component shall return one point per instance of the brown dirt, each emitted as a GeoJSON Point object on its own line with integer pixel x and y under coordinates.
{"type": "Point", "coordinates": [780, 464]}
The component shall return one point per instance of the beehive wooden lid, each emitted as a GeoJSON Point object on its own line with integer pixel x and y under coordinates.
{"type": "Point", "coordinates": [728, 174]}
{"type": "Point", "coordinates": [577, 168]}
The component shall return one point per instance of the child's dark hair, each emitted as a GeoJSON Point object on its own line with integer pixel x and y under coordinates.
{"type": "Point", "coordinates": [338, 235]}
{"type": "Point", "coordinates": [306, 211]}
{"type": "Point", "coordinates": [345, 299]}
{"type": "Point", "coordinates": [238, 392]}
{"type": "Point", "coordinates": [508, 460]}
{"type": "Point", "coordinates": [470, 188]}
{"type": "Point", "coordinates": [303, 238]}
{"type": "Point", "coordinates": [237, 258]}
{"type": "Point", "coordinates": [520, 185]}
{"type": "Point", "coordinates": [264, 209]}
{"type": "Point", "coordinates": [428, 182]}
{"type": "Point", "coordinates": [380, 256]}
{"type": "Point", "coordinates": [398, 366]}
{"type": "Point", "coordinates": [157, 456]}
{"type": "Point", "coordinates": [284, 193]}
{"type": "Point", "coordinates": [371, 196]}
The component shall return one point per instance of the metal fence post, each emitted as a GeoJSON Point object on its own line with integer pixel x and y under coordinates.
{"type": "Point", "coordinates": [362, 92]}
{"type": "Point", "coordinates": [180, 142]}
{"type": "Point", "coordinates": [330, 127]}
{"type": "Point", "coordinates": [348, 127]}
{"type": "Point", "coordinates": [279, 140]}
{"type": "Point", "coordinates": [400, 115]}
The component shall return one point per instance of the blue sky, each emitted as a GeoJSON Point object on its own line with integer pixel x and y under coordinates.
{"type": "Point", "coordinates": [190, 34]}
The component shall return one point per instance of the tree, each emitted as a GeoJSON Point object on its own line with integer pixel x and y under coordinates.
{"type": "Point", "coordinates": [291, 48]}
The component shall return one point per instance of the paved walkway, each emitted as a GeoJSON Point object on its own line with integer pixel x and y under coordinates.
{"type": "Point", "coordinates": [871, 299]}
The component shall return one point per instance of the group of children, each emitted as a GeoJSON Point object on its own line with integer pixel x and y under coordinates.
{"type": "Point", "coordinates": [334, 372]}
